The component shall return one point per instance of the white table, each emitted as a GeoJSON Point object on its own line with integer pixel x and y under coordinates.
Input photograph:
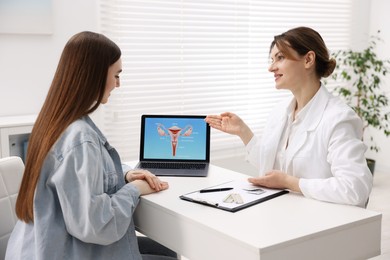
{"type": "Point", "coordinates": [287, 227]}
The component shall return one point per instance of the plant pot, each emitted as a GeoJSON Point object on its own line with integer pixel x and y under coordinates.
{"type": "Point", "coordinates": [371, 165]}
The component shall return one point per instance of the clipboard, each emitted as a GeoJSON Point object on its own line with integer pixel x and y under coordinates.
{"type": "Point", "coordinates": [242, 194]}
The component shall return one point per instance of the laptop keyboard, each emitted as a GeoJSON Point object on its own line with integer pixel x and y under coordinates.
{"type": "Point", "coordinates": [170, 165]}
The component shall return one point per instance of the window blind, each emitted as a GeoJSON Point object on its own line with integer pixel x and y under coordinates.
{"type": "Point", "coordinates": [204, 57]}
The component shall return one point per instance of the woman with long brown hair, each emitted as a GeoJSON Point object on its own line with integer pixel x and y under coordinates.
{"type": "Point", "coordinates": [75, 200]}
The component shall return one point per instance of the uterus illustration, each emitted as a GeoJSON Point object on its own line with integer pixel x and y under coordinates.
{"type": "Point", "coordinates": [174, 132]}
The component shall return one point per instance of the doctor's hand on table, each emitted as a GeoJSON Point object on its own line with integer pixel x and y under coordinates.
{"type": "Point", "coordinates": [145, 181]}
{"type": "Point", "coordinates": [277, 180]}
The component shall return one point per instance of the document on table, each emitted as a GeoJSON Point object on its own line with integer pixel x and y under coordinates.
{"type": "Point", "coordinates": [233, 195]}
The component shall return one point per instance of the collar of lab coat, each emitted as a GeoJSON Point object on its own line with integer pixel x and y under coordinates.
{"type": "Point", "coordinates": [309, 123]}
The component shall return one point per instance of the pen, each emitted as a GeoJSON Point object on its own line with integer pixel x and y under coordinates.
{"type": "Point", "coordinates": [215, 190]}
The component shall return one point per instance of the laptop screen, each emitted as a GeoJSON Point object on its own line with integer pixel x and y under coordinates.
{"type": "Point", "coordinates": [181, 138]}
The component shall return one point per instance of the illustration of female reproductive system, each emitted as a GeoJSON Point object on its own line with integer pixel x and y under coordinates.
{"type": "Point", "coordinates": [175, 132]}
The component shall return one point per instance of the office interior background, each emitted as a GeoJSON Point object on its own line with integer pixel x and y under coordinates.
{"type": "Point", "coordinates": [194, 57]}
{"type": "Point", "coordinates": [184, 56]}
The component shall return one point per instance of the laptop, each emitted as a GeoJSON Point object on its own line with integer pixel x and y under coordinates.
{"type": "Point", "coordinates": [175, 145]}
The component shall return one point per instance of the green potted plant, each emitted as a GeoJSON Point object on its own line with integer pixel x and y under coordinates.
{"type": "Point", "coordinates": [359, 75]}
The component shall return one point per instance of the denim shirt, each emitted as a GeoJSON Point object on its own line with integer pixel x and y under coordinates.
{"type": "Point", "coordinates": [82, 207]}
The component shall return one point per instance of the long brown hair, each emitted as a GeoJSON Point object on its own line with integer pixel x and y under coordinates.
{"type": "Point", "coordinates": [302, 40]}
{"type": "Point", "coordinates": [76, 90]}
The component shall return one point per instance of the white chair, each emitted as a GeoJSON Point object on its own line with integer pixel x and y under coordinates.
{"type": "Point", "coordinates": [11, 172]}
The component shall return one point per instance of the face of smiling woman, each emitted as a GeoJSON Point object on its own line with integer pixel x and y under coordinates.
{"type": "Point", "coordinates": [112, 79]}
{"type": "Point", "coordinates": [289, 73]}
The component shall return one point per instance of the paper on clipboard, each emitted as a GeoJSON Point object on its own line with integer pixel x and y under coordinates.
{"type": "Point", "coordinates": [243, 195]}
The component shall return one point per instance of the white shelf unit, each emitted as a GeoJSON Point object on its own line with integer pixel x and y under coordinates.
{"type": "Point", "coordinates": [14, 134]}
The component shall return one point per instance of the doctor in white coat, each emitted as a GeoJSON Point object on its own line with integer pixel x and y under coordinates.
{"type": "Point", "coordinates": [311, 144]}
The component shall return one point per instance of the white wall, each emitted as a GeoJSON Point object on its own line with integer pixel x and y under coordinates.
{"type": "Point", "coordinates": [28, 62]}
{"type": "Point", "coordinates": [380, 20]}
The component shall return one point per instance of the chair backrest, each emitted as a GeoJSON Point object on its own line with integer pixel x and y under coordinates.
{"type": "Point", "coordinates": [11, 172]}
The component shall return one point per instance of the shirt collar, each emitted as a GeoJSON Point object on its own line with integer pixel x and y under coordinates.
{"type": "Point", "coordinates": [301, 114]}
{"type": "Point", "coordinates": [89, 121]}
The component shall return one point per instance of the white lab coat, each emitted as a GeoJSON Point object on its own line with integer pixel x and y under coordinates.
{"type": "Point", "coordinates": [327, 153]}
